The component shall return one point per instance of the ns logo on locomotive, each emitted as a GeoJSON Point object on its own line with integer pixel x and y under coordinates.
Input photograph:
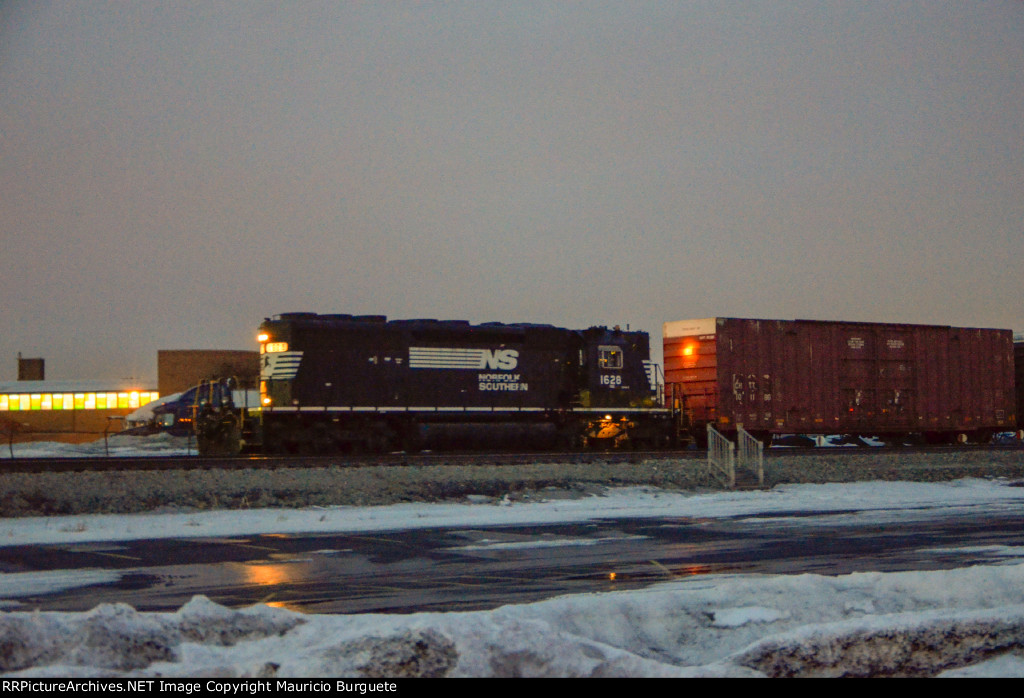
{"type": "Point", "coordinates": [343, 383]}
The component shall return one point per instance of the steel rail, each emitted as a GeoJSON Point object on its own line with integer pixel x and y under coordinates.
{"type": "Point", "coordinates": [141, 463]}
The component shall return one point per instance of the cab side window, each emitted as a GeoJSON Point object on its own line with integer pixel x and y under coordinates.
{"type": "Point", "coordinates": [609, 357]}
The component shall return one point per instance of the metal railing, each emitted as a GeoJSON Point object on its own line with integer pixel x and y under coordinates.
{"type": "Point", "coordinates": [751, 454]}
{"type": "Point", "coordinates": [721, 457]}
{"type": "Point", "coordinates": [656, 377]}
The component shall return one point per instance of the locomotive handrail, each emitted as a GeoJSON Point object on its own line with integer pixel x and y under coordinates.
{"type": "Point", "coordinates": [721, 456]}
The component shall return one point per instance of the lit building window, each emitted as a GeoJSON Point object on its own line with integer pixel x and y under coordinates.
{"type": "Point", "coordinates": [75, 401]}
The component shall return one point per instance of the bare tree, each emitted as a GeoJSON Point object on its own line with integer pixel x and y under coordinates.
{"type": "Point", "coordinates": [9, 429]}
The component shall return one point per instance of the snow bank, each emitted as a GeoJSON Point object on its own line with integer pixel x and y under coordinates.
{"type": "Point", "coordinates": [966, 622]}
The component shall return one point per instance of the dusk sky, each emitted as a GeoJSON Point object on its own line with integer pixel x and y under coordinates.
{"type": "Point", "coordinates": [173, 172]}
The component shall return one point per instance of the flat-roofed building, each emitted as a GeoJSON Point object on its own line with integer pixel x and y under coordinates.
{"type": "Point", "coordinates": [70, 410]}
{"type": "Point", "coordinates": [181, 369]}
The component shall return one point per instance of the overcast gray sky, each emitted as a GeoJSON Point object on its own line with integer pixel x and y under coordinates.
{"type": "Point", "coordinates": [173, 172]}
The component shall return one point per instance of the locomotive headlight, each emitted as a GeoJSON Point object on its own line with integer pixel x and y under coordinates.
{"type": "Point", "coordinates": [262, 337]}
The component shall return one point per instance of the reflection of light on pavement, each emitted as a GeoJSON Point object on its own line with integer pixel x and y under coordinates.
{"type": "Point", "coordinates": [265, 575]}
{"type": "Point", "coordinates": [690, 570]}
{"type": "Point", "coordinates": [283, 604]}
{"type": "Point", "coordinates": [273, 574]}
{"type": "Point", "coordinates": [269, 573]}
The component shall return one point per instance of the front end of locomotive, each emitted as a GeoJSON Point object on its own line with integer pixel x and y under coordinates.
{"type": "Point", "coordinates": [279, 361]}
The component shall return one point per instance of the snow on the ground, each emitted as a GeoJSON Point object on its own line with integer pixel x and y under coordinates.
{"type": "Point", "coordinates": [115, 445]}
{"type": "Point", "coordinates": [960, 622]}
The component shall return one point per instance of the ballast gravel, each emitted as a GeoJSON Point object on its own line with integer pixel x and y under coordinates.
{"type": "Point", "coordinates": [35, 494]}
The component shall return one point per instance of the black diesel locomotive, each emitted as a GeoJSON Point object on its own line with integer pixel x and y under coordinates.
{"type": "Point", "coordinates": [342, 383]}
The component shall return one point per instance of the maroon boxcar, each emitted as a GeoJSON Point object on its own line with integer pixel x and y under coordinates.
{"type": "Point", "coordinates": [815, 377]}
{"type": "Point", "coordinates": [1018, 361]}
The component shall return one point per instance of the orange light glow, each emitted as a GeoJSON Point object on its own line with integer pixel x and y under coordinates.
{"type": "Point", "coordinates": [262, 337]}
{"type": "Point", "coordinates": [688, 350]}
{"type": "Point", "coordinates": [695, 570]}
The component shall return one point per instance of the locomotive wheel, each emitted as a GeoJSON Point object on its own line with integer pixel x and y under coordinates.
{"type": "Point", "coordinates": [275, 439]}
{"type": "Point", "coordinates": [412, 442]}
{"type": "Point", "coordinates": [568, 438]}
{"type": "Point", "coordinates": [318, 440]}
{"type": "Point", "coordinates": [381, 438]}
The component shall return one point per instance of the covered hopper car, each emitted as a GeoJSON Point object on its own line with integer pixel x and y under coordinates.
{"type": "Point", "coordinates": [770, 377]}
{"type": "Point", "coordinates": [342, 383]}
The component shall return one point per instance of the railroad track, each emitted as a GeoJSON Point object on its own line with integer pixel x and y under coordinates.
{"type": "Point", "coordinates": [137, 463]}
{"type": "Point", "coordinates": [177, 462]}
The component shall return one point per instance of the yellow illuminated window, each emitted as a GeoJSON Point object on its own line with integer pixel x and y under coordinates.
{"type": "Point", "coordinates": [133, 400]}
{"type": "Point", "coordinates": [90, 401]}
{"type": "Point", "coordinates": [3, 403]}
{"type": "Point", "coordinates": [122, 400]}
{"type": "Point", "coordinates": [101, 401]}
{"type": "Point", "coordinates": [35, 401]}
{"type": "Point", "coordinates": [79, 401]}
{"type": "Point", "coordinates": [24, 402]}
{"type": "Point", "coordinates": [69, 402]}
{"type": "Point", "coordinates": [277, 346]}
{"type": "Point", "coordinates": [47, 401]}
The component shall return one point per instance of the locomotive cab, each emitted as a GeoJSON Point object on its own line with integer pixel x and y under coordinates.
{"type": "Point", "coordinates": [616, 370]}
